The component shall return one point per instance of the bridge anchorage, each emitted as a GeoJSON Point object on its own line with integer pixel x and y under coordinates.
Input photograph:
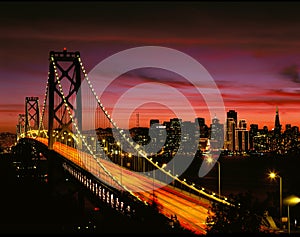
{"type": "Point", "coordinates": [97, 161]}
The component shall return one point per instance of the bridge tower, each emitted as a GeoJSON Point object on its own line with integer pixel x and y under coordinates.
{"type": "Point", "coordinates": [65, 71]}
{"type": "Point", "coordinates": [32, 114]}
{"type": "Point", "coordinates": [20, 126]}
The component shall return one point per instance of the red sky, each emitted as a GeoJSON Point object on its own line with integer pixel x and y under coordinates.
{"type": "Point", "coordinates": [250, 49]}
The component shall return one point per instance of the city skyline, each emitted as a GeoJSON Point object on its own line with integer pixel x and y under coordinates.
{"type": "Point", "coordinates": [208, 123]}
{"type": "Point", "coordinates": [253, 60]}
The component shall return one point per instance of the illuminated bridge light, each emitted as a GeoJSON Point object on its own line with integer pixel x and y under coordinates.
{"type": "Point", "coordinates": [100, 165]}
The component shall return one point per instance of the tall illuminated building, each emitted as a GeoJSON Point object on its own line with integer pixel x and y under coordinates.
{"type": "Point", "coordinates": [242, 136]}
{"type": "Point", "coordinates": [217, 134]}
{"type": "Point", "coordinates": [242, 124]}
{"type": "Point", "coordinates": [154, 121]}
{"type": "Point", "coordinates": [252, 133]}
{"type": "Point", "coordinates": [277, 127]}
{"type": "Point", "coordinates": [231, 123]}
{"type": "Point", "coordinates": [232, 114]}
{"type": "Point", "coordinates": [230, 134]}
{"type": "Point", "coordinates": [203, 128]}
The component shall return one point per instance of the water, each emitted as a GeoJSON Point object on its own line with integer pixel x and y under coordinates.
{"type": "Point", "coordinates": [252, 174]}
{"type": "Point", "coordinates": [240, 175]}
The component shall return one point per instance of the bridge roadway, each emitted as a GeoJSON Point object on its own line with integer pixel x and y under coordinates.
{"type": "Point", "coordinates": [191, 210]}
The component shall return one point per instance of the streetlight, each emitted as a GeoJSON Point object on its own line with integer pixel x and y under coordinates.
{"type": "Point", "coordinates": [273, 175]}
{"type": "Point", "coordinates": [210, 161]}
{"type": "Point", "coordinates": [290, 201]}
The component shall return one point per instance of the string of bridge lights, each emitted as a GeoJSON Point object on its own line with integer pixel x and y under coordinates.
{"type": "Point", "coordinates": [120, 131]}
{"type": "Point", "coordinates": [82, 137]}
{"type": "Point", "coordinates": [140, 151]}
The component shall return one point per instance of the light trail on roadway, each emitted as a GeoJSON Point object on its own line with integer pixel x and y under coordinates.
{"type": "Point", "coordinates": [191, 211]}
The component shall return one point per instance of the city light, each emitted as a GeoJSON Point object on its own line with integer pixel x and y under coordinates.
{"type": "Point", "coordinates": [274, 175]}
{"type": "Point", "coordinates": [239, 141]}
{"type": "Point", "coordinates": [210, 160]}
{"type": "Point", "coordinates": [290, 201]}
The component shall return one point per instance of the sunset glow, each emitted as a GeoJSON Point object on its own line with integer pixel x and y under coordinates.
{"type": "Point", "coordinates": [251, 51]}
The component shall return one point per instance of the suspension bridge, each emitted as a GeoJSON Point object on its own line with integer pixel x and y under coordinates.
{"type": "Point", "coordinates": [92, 150]}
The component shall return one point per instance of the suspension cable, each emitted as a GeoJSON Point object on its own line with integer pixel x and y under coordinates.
{"type": "Point", "coordinates": [140, 150]}
{"type": "Point", "coordinates": [82, 137]}
{"type": "Point", "coordinates": [41, 125]}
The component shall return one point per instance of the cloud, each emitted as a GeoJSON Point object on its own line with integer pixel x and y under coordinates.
{"type": "Point", "coordinates": [286, 92]}
{"type": "Point", "coordinates": [291, 72]}
{"type": "Point", "coordinates": [11, 107]}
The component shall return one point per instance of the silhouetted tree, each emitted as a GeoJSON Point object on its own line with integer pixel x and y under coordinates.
{"type": "Point", "coordinates": [240, 218]}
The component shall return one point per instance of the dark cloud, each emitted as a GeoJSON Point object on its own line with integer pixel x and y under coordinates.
{"type": "Point", "coordinates": [160, 76]}
{"type": "Point", "coordinates": [281, 92]}
{"type": "Point", "coordinates": [291, 72]}
{"type": "Point", "coordinates": [220, 34]}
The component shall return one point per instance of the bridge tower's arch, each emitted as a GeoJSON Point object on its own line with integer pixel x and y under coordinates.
{"type": "Point", "coordinates": [32, 114]}
{"type": "Point", "coordinates": [64, 69]}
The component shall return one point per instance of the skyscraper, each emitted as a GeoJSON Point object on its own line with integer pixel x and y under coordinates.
{"type": "Point", "coordinates": [252, 133]}
{"type": "Point", "coordinates": [203, 128]}
{"type": "Point", "coordinates": [201, 121]}
{"type": "Point", "coordinates": [231, 123]}
{"type": "Point", "coordinates": [230, 134]}
{"type": "Point", "coordinates": [242, 136]}
{"type": "Point", "coordinates": [242, 124]}
{"type": "Point", "coordinates": [154, 121]}
{"type": "Point", "coordinates": [232, 114]}
{"type": "Point", "coordinates": [277, 128]}
{"type": "Point", "coordinates": [217, 134]}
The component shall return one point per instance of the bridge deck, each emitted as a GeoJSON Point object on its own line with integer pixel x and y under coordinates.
{"type": "Point", "coordinates": [191, 210]}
